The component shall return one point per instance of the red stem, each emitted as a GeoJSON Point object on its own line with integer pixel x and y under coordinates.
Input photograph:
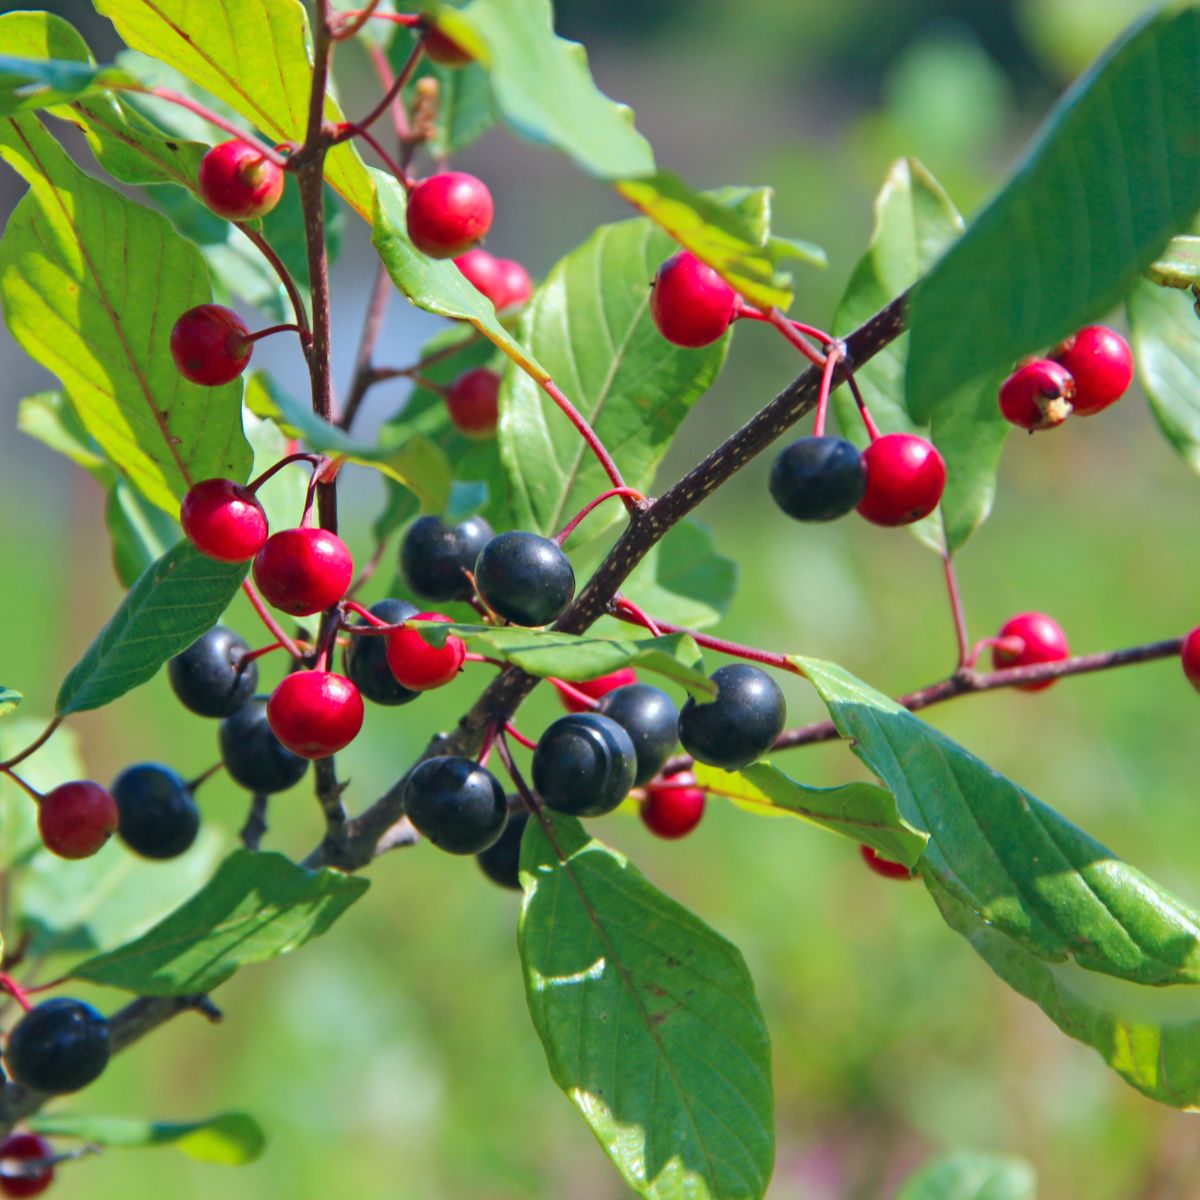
{"type": "Point", "coordinates": [589, 435]}
{"type": "Point", "coordinates": [396, 87]}
{"type": "Point", "coordinates": [33, 746]}
{"type": "Point", "coordinates": [388, 161]}
{"type": "Point", "coordinates": [638, 616]}
{"type": "Point", "coordinates": [10, 986]}
{"type": "Point", "coordinates": [304, 456]}
{"type": "Point", "coordinates": [366, 614]}
{"type": "Point", "coordinates": [956, 607]}
{"type": "Point", "coordinates": [831, 361]}
{"type": "Point", "coordinates": [518, 737]}
{"type": "Point", "coordinates": [32, 792]}
{"type": "Point", "coordinates": [571, 525]}
{"type": "Point", "coordinates": [285, 277]}
{"type": "Point", "coordinates": [867, 420]}
{"type": "Point", "coordinates": [573, 693]}
{"type": "Point", "coordinates": [251, 338]}
{"type": "Point", "coordinates": [384, 70]}
{"type": "Point", "coordinates": [626, 611]}
{"type": "Point", "coordinates": [269, 621]}
{"type": "Point", "coordinates": [355, 20]}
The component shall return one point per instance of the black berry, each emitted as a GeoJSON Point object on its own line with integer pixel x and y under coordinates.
{"type": "Point", "coordinates": [818, 478]}
{"type": "Point", "coordinates": [435, 557]}
{"type": "Point", "coordinates": [652, 722]}
{"type": "Point", "coordinates": [254, 756]}
{"type": "Point", "coordinates": [158, 817]}
{"type": "Point", "coordinates": [501, 861]}
{"type": "Point", "coordinates": [740, 724]}
{"type": "Point", "coordinates": [524, 578]}
{"type": "Point", "coordinates": [206, 676]}
{"type": "Point", "coordinates": [584, 765]}
{"type": "Point", "coordinates": [366, 661]}
{"type": "Point", "coordinates": [59, 1046]}
{"type": "Point", "coordinates": [455, 803]}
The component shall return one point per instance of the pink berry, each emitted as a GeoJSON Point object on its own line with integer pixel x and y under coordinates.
{"type": "Point", "coordinates": [303, 571]}
{"type": "Point", "coordinates": [884, 867]}
{"type": "Point", "coordinates": [76, 819]}
{"type": "Point", "coordinates": [1035, 638]}
{"type": "Point", "coordinates": [26, 1147]}
{"type": "Point", "coordinates": [419, 666]}
{"type": "Point", "coordinates": [224, 520]}
{"type": "Point", "coordinates": [238, 183]}
{"type": "Point", "coordinates": [482, 271]}
{"type": "Point", "coordinates": [515, 285]}
{"type": "Point", "coordinates": [1102, 365]}
{"type": "Point", "coordinates": [905, 479]}
{"type": "Point", "coordinates": [448, 214]}
{"type": "Point", "coordinates": [315, 713]}
{"type": "Point", "coordinates": [474, 402]}
{"type": "Point", "coordinates": [691, 304]}
{"type": "Point", "coordinates": [445, 51]}
{"type": "Point", "coordinates": [672, 807]}
{"type": "Point", "coordinates": [210, 345]}
{"type": "Point", "coordinates": [600, 686]}
{"type": "Point", "coordinates": [1189, 658]}
{"type": "Point", "coordinates": [1037, 395]}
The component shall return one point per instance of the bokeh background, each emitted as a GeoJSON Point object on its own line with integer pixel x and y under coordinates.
{"type": "Point", "coordinates": [395, 1057]}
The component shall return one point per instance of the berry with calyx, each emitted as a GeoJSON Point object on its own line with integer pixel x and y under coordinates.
{"type": "Point", "coordinates": [1101, 363]}
{"type": "Point", "coordinates": [238, 183]}
{"type": "Point", "coordinates": [1038, 395]}
{"type": "Point", "coordinates": [818, 478]}
{"type": "Point", "coordinates": [1034, 638]}
{"type": "Point", "coordinates": [253, 755]}
{"type": "Point", "coordinates": [449, 213]}
{"type": "Point", "coordinates": [650, 718]}
{"type": "Point", "coordinates": [473, 401]}
{"type": "Point", "coordinates": [455, 803]}
{"type": "Point", "coordinates": [76, 819]}
{"type": "Point", "coordinates": [515, 286]}
{"type": "Point", "coordinates": [673, 807]}
{"type": "Point", "coordinates": [524, 578]}
{"type": "Point", "coordinates": [691, 304]}
{"type": "Point", "coordinates": [211, 345]}
{"type": "Point", "coordinates": [315, 713]}
{"type": "Point", "coordinates": [26, 1148]}
{"type": "Point", "coordinates": [209, 678]}
{"type": "Point", "coordinates": [366, 662]}
{"type": "Point", "coordinates": [60, 1046]}
{"type": "Point", "coordinates": [596, 688]}
{"type": "Point", "coordinates": [303, 571]}
{"type": "Point", "coordinates": [501, 861]}
{"type": "Point", "coordinates": [584, 765]}
{"type": "Point", "coordinates": [1189, 658]}
{"type": "Point", "coordinates": [224, 520]}
{"type": "Point", "coordinates": [482, 271]}
{"type": "Point", "coordinates": [420, 666]}
{"type": "Point", "coordinates": [905, 479]}
{"type": "Point", "coordinates": [884, 867]}
{"type": "Point", "coordinates": [740, 724]}
{"type": "Point", "coordinates": [436, 559]}
{"type": "Point", "coordinates": [158, 817]}
{"type": "Point", "coordinates": [444, 50]}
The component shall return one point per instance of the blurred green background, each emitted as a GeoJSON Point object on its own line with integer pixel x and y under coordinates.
{"type": "Point", "coordinates": [395, 1057]}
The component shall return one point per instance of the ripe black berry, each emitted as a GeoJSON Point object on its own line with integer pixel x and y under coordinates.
{"type": "Point", "coordinates": [206, 677]}
{"type": "Point", "coordinates": [59, 1046]}
{"type": "Point", "coordinates": [435, 557]}
{"type": "Point", "coordinates": [584, 765]}
{"type": "Point", "coordinates": [501, 861]}
{"type": "Point", "coordinates": [455, 803]}
{"type": "Point", "coordinates": [253, 755]}
{"type": "Point", "coordinates": [158, 817]}
{"type": "Point", "coordinates": [739, 724]}
{"type": "Point", "coordinates": [366, 662]}
{"type": "Point", "coordinates": [524, 578]}
{"type": "Point", "coordinates": [818, 478]}
{"type": "Point", "coordinates": [652, 722]}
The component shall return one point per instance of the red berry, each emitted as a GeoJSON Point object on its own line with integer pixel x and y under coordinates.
{"type": "Point", "coordinates": [482, 271]}
{"type": "Point", "coordinates": [315, 713]}
{"type": "Point", "coordinates": [237, 183]}
{"type": "Point", "coordinates": [515, 285]}
{"type": "Point", "coordinates": [600, 686]}
{"type": "Point", "coordinates": [1041, 640]}
{"type": "Point", "coordinates": [474, 402]}
{"type": "Point", "coordinates": [303, 571]}
{"type": "Point", "coordinates": [673, 807]}
{"type": "Point", "coordinates": [1037, 395]}
{"type": "Point", "coordinates": [448, 214]}
{"type": "Point", "coordinates": [76, 819]}
{"type": "Point", "coordinates": [26, 1147]}
{"type": "Point", "coordinates": [224, 520]}
{"type": "Point", "coordinates": [209, 345]}
{"type": "Point", "coordinates": [884, 866]}
{"type": "Point", "coordinates": [691, 304]}
{"type": "Point", "coordinates": [419, 666]}
{"type": "Point", "coordinates": [905, 479]}
{"type": "Point", "coordinates": [1189, 657]}
{"type": "Point", "coordinates": [445, 51]}
{"type": "Point", "coordinates": [1102, 364]}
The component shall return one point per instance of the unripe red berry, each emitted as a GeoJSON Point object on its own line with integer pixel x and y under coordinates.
{"type": "Point", "coordinates": [1189, 658]}
{"type": "Point", "coordinates": [884, 867]}
{"type": "Point", "coordinates": [515, 285]}
{"type": "Point", "coordinates": [905, 479]}
{"type": "Point", "coordinates": [672, 807]}
{"type": "Point", "coordinates": [1037, 395]}
{"type": "Point", "coordinates": [210, 345]}
{"type": "Point", "coordinates": [474, 402]}
{"type": "Point", "coordinates": [445, 51]}
{"type": "Point", "coordinates": [238, 183]}
{"type": "Point", "coordinates": [1101, 363]}
{"type": "Point", "coordinates": [449, 213]}
{"type": "Point", "coordinates": [419, 666]}
{"type": "Point", "coordinates": [600, 686]}
{"type": "Point", "coordinates": [691, 304]}
{"type": "Point", "coordinates": [26, 1147]}
{"type": "Point", "coordinates": [315, 713]}
{"type": "Point", "coordinates": [224, 520]}
{"type": "Point", "coordinates": [1041, 639]}
{"type": "Point", "coordinates": [482, 272]}
{"type": "Point", "coordinates": [303, 571]}
{"type": "Point", "coordinates": [76, 819]}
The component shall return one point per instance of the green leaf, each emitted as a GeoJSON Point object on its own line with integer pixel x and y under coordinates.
{"type": "Point", "coordinates": [914, 222]}
{"type": "Point", "coordinates": [27, 84]}
{"type": "Point", "coordinates": [90, 284]}
{"type": "Point", "coordinates": [966, 1175]}
{"type": "Point", "coordinates": [230, 1139]}
{"type": "Point", "coordinates": [1061, 244]}
{"type": "Point", "coordinates": [544, 87]}
{"type": "Point", "coordinates": [9, 700]}
{"type": "Point", "coordinates": [862, 812]}
{"type": "Point", "coordinates": [140, 533]}
{"type": "Point", "coordinates": [590, 325]}
{"type": "Point", "coordinates": [180, 597]}
{"type": "Point", "coordinates": [1178, 266]}
{"type": "Point", "coordinates": [256, 907]}
{"type": "Point", "coordinates": [683, 580]}
{"type": "Point", "coordinates": [649, 1021]}
{"type": "Point", "coordinates": [48, 417]}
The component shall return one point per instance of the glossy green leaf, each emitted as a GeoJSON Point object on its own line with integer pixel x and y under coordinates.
{"type": "Point", "coordinates": [256, 907]}
{"type": "Point", "coordinates": [75, 262]}
{"type": "Point", "coordinates": [1178, 266]}
{"type": "Point", "coordinates": [9, 699]}
{"type": "Point", "coordinates": [230, 1139]}
{"type": "Point", "coordinates": [27, 84]}
{"type": "Point", "coordinates": [649, 1022]}
{"type": "Point", "coordinates": [180, 597]}
{"type": "Point", "coordinates": [589, 324]}
{"type": "Point", "coordinates": [965, 1175]}
{"type": "Point", "coordinates": [683, 580]}
{"type": "Point", "coordinates": [1062, 242]}
{"type": "Point", "coordinates": [141, 534]}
